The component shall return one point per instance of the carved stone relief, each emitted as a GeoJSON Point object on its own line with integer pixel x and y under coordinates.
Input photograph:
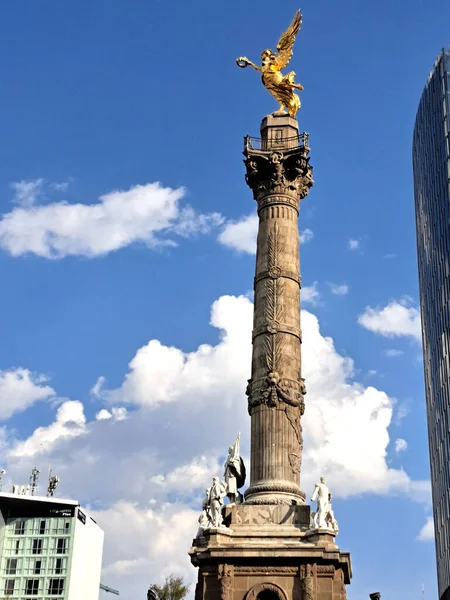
{"type": "Point", "coordinates": [278, 172]}
{"type": "Point", "coordinates": [244, 516]}
{"type": "Point", "coordinates": [225, 573]}
{"type": "Point", "coordinates": [325, 570]}
{"type": "Point", "coordinates": [252, 594]}
{"type": "Point", "coordinates": [307, 573]}
{"type": "Point", "coordinates": [261, 570]}
{"type": "Point", "coordinates": [308, 588]}
{"type": "Point", "coordinates": [274, 390]}
{"type": "Point", "coordinates": [343, 590]}
{"type": "Point", "coordinates": [308, 570]}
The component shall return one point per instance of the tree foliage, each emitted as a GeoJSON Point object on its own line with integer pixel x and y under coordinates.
{"type": "Point", "coordinates": [172, 589]}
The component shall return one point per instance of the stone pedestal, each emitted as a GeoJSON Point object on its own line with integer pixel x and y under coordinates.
{"type": "Point", "coordinates": [268, 553]}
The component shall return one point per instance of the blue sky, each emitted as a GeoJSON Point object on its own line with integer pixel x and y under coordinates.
{"type": "Point", "coordinates": [102, 100]}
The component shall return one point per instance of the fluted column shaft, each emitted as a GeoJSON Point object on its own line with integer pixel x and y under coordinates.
{"type": "Point", "coordinates": [279, 175]}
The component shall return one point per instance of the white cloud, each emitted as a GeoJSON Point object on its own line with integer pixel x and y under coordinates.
{"type": "Point", "coordinates": [103, 415]}
{"type": "Point", "coordinates": [118, 414]}
{"type": "Point", "coordinates": [160, 374]}
{"type": "Point", "coordinates": [27, 192]}
{"type": "Point", "coordinates": [426, 534]}
{"type": "Point", "coordinates": [62, 186]}
{"type": "Point", "coordinates": [401, 413]}
{"type": "Point", "coordinates": [339, 290]}
{"type": "Point", "coordinates": [306, 236]}
{"type": "Point", "coordinates": [343, 415]}
{"type": "Point", "coordinates": [189, 476]}
{"type": "Point", "coordinates": [393, 353]}
{"type": "Point", "coordinates": [391, 255]}
{"type": "Point", "coordinates": [353, 244]}
{"type": "Point", "coordinates": [396, 319]}
{"type": "Point", "coordinates": [240, 235]}
{"type": "Point", "coordinates": [70, 422]}
{"type": "Point", "coordinates": [19, 389]}
{"type": "Point", "coordinates": [400, 445]}
{"type": "Point", "coordinates": [372, 373]}
{"type": "Point", "coordinates": [97, 388]}
{"type": "Point", "coordinates": [310, 294]}
{"type": "Point", "coordinates": [155, 545]}
{"type": "Point", "coordinates": [145, 213]}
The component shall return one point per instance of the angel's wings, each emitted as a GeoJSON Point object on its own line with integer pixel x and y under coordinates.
{"type": "Point", "coordinates": [286, 43]}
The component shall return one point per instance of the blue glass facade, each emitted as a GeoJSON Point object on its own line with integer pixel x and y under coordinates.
{"type": "Point", "coordinates": [431, 164]}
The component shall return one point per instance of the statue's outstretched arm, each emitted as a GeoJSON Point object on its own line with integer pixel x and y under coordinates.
{"type": "Point", "coordinates": [243, 62]}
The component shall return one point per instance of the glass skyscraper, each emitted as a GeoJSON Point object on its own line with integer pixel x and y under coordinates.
{"type": "Point", "coordinates": [431, 163]}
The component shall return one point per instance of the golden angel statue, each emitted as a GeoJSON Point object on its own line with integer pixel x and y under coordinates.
{"type": "Point", "coordinates": [280, 86]}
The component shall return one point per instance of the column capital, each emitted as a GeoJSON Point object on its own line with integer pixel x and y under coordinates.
{"type": "Point", "coordinates": [277, 173]}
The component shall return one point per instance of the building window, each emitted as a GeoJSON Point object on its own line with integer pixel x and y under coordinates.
{"type": "Point", "coordinates": [37, 567]}
{"type": "Point", "coordinates": [32, 587]}
{"type": "Point", "coordinates": [9, 587]}
{"type": "Point", "coordinates": [17, 547]}
{"type": "Point", "coordinates": [19, 528]}
{"type": "Point", "coordinates": [37, 546]}
{"type": "Point", "coordinates": [61, 546]}
{"type": "Point", "coordinates": [58, 566]}
{"type": "Point", "coordinates": [11, 566]}
{"type": "Point", "coordinates": [56, 587]}
{"type": "Point", "coordinates": [42, 527]}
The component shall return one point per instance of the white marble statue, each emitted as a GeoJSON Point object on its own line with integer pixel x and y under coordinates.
{"type": "Point", "coordinates": [320, 494]}
{"type": "Point", "coordinates": [323, 518]}
{"type": "Point", "coordinates": [330, 520]}
{"type": "Point", "coordinates": [234, 472]}
{"type": "Point", "coordinates": [216, 495]}
{"type": "Point", "coordinates": [204, 520]}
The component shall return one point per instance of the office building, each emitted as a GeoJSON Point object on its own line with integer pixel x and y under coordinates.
{"type": "Point", "coordinates": [50, 549]}
{"type": "Point", "coordinates": [431, 163]}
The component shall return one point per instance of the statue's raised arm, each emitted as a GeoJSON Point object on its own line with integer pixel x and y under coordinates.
{"type": "Point", "coordinates": [280, 86]}
{"type": "Point", "coordinates": [243, 62]}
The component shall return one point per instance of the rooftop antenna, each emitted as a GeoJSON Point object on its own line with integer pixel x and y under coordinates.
{"type": "Point", "coordinates": [34, 478]}
{"type": "Point", "coordinates": [423, 592]}
{"type": "Point", "coordinates": [53, 481]}
{"type": "Point", "coordinates": [2, 472]}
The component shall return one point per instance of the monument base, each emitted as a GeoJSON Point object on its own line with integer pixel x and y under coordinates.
{"type": "Point", "coordinates": [268, 552]}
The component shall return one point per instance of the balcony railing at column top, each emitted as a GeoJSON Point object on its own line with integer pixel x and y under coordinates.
{"type": "Point", "coordinates": [298, 141]}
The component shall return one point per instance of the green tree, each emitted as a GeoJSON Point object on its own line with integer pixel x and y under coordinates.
{"type": "Point", "coordinates": [173, 589]}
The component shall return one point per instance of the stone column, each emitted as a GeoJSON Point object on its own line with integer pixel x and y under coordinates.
{"type": "Point", "coordinates": [279, 174]}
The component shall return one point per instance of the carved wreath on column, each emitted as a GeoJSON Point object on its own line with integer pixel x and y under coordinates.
{"type": "Point", "coordinates": [274, 392]}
